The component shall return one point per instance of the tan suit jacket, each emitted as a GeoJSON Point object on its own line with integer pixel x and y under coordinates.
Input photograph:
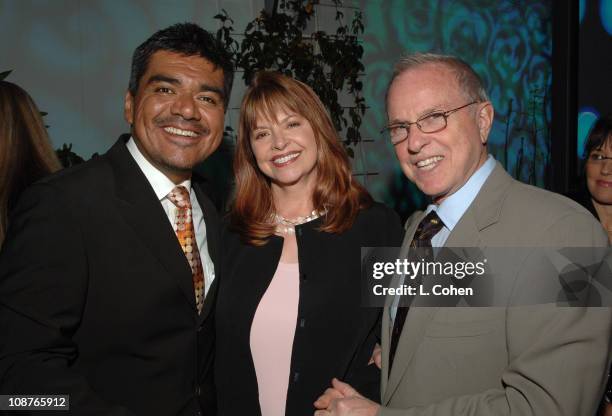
{"type": "Point", "coordinates": [529, 360]}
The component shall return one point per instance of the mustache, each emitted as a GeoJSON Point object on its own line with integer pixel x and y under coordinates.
{"type": "Point", "coordinates": [182, 123]}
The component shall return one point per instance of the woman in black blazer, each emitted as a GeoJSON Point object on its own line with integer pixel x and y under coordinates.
{"type": "Point", "coordinates": [289, 312]}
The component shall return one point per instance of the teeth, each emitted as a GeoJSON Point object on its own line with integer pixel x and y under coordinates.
{"type": "Point", "coordinates": [286, 158]}
{"type": "Point", "coordinates": [174, 130]}
{"type": "Point", "coordinates": [429, 163]}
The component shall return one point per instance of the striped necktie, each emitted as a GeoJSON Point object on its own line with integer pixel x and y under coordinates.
{"type": "Point", "coordinates": [427, 228]}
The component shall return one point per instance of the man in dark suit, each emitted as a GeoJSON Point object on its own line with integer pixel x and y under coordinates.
{"type": "Point", "coordinates": [108, 273]}
{"type": "Point", "coordinates": [530, 360]}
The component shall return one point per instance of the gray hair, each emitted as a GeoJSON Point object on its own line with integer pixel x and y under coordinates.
{"type": "Point", "coordinates": [469, 81]}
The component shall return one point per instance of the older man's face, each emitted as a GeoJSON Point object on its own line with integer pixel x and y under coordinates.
{"type": "Point", "coordinates": [438, 163]}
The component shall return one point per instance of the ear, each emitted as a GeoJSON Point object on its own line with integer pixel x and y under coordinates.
{"type": "Point", "coordinates": [485, 116]}
{"type": "Point", "coordinates": [128, 106]}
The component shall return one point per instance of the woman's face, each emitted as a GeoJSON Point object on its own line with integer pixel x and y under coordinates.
{"type": "Point", "coordinates": [285, 149]}
{"type": "Point", "coordinates": [599, 173]}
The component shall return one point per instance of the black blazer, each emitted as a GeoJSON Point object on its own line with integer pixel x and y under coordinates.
{"type": "Point", "coordinates": [96, 296]}
{"type": "Point", "coordinates": [334, 335]}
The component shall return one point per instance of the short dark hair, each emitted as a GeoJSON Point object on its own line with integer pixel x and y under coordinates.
{"type": "Point", "coordinates": [187, 39]}
{"type": "Point", "coordinates": [599, 135]}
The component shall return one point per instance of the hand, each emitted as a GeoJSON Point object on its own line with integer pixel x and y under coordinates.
{"type": "Point", "coordinates": [608, 410]}
{"type": "Point", "coordinates": [376, 356]}
{"type": "Point", "coordinates": [343, 400]}
{"type": "Point", "coordinates": [324, 401]}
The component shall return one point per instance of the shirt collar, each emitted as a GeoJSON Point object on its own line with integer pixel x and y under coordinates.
{"type": "Point", "coordinates": [453, 207]}
{"type": "Point", "coordinates": [160, 182]}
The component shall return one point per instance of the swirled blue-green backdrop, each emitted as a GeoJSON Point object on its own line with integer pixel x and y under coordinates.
{"type": "Point", "coordinates": [594, 66]}
{"type": "Point", "coordinates": [509, 43]}
{"type": "Point", "coordinates": [73, 57]}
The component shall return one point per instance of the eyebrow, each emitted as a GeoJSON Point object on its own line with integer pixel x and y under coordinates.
{"type": "Point", "coordinates": [426, 112]}
{"type": "Point", "coordinates": [258, 127]}
{"type": "Point", "coordinates": [175, 81]}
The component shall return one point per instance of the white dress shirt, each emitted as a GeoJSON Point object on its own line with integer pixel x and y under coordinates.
{"type": "Point", "coordinates": [162, 187]}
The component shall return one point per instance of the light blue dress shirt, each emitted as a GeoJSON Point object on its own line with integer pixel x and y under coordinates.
{"type": "Point", "coordinates": [454, 206]}
{"type": "Point", "coordinates": [452, 209]}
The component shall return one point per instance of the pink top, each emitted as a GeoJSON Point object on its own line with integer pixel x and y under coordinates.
{"type": "Point", "coordinates": [271, 340]}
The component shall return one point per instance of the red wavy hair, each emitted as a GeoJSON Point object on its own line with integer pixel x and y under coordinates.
{"type": "Point", "coordinates": [336, 192]}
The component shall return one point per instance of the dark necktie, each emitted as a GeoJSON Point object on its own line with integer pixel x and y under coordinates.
{"type": "Point", "coordinates": [427, 228]}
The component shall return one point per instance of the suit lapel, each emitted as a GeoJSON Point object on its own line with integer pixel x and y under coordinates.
{"type": "Point", "coordinates": [411, 226]}
{"type": "Point", "coordinates": [484, 211]}
{"type": "Point", "coordinates": [414, 328]}
{"type": "Point", "coordinates": [212, 233]}
{"type": "Point", "coordinates": [138, 204]}
{"type": "Point", "coordinates": [385, 343]}
{"type": "Point", "coordinates": [466, 233]}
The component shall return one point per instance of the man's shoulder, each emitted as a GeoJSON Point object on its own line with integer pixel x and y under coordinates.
{"type": "Point", "coordinates": [513, 197]}
{"type": "Point", "coordinates": [542, 202]}
{"type": "Point", "coordinates": [540, 216]}
{"type": "Point", "coordinates": [91, 171]}
{"type": "Point", "coordinates": [94, 173]}
{"type": "Point", "coordinates": [84, 183]}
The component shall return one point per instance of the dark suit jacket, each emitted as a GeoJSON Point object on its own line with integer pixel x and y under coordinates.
{"type": "Point", "coordinates": [335, 334]}
{"type": "Point", "coordinates": [96, 296]}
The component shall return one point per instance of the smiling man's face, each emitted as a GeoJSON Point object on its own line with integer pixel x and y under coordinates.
{"type": "Point", "coordinates": [438, 163]}
{"type": "Point", "coordinates": [177, 113]}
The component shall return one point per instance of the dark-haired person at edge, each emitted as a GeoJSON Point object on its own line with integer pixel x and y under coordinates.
{"type": "Point", "coordinates": [289, 313]}
{"type": "Point", "coordinates": [107, 274]}
{"type": "Point", "coordinates": [26, 154]}
{"type": "Point", "coordinates": [597, 196]}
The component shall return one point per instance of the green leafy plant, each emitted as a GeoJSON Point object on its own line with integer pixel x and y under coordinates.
{"type": "Point", "coordinates": [329, 63]}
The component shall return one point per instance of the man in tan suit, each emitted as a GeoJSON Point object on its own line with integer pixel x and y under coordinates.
{"type": "Point", "coordinates": [530, 360]}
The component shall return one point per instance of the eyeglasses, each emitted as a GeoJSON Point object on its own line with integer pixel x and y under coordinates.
{"type": "Point", "coordinates": [429, 123]}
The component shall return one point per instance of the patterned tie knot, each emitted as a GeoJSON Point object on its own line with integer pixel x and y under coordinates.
{"type": "Point", "coordinates": [179, 196]}
{"type": "Point", "coordinates": [427, 228]}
